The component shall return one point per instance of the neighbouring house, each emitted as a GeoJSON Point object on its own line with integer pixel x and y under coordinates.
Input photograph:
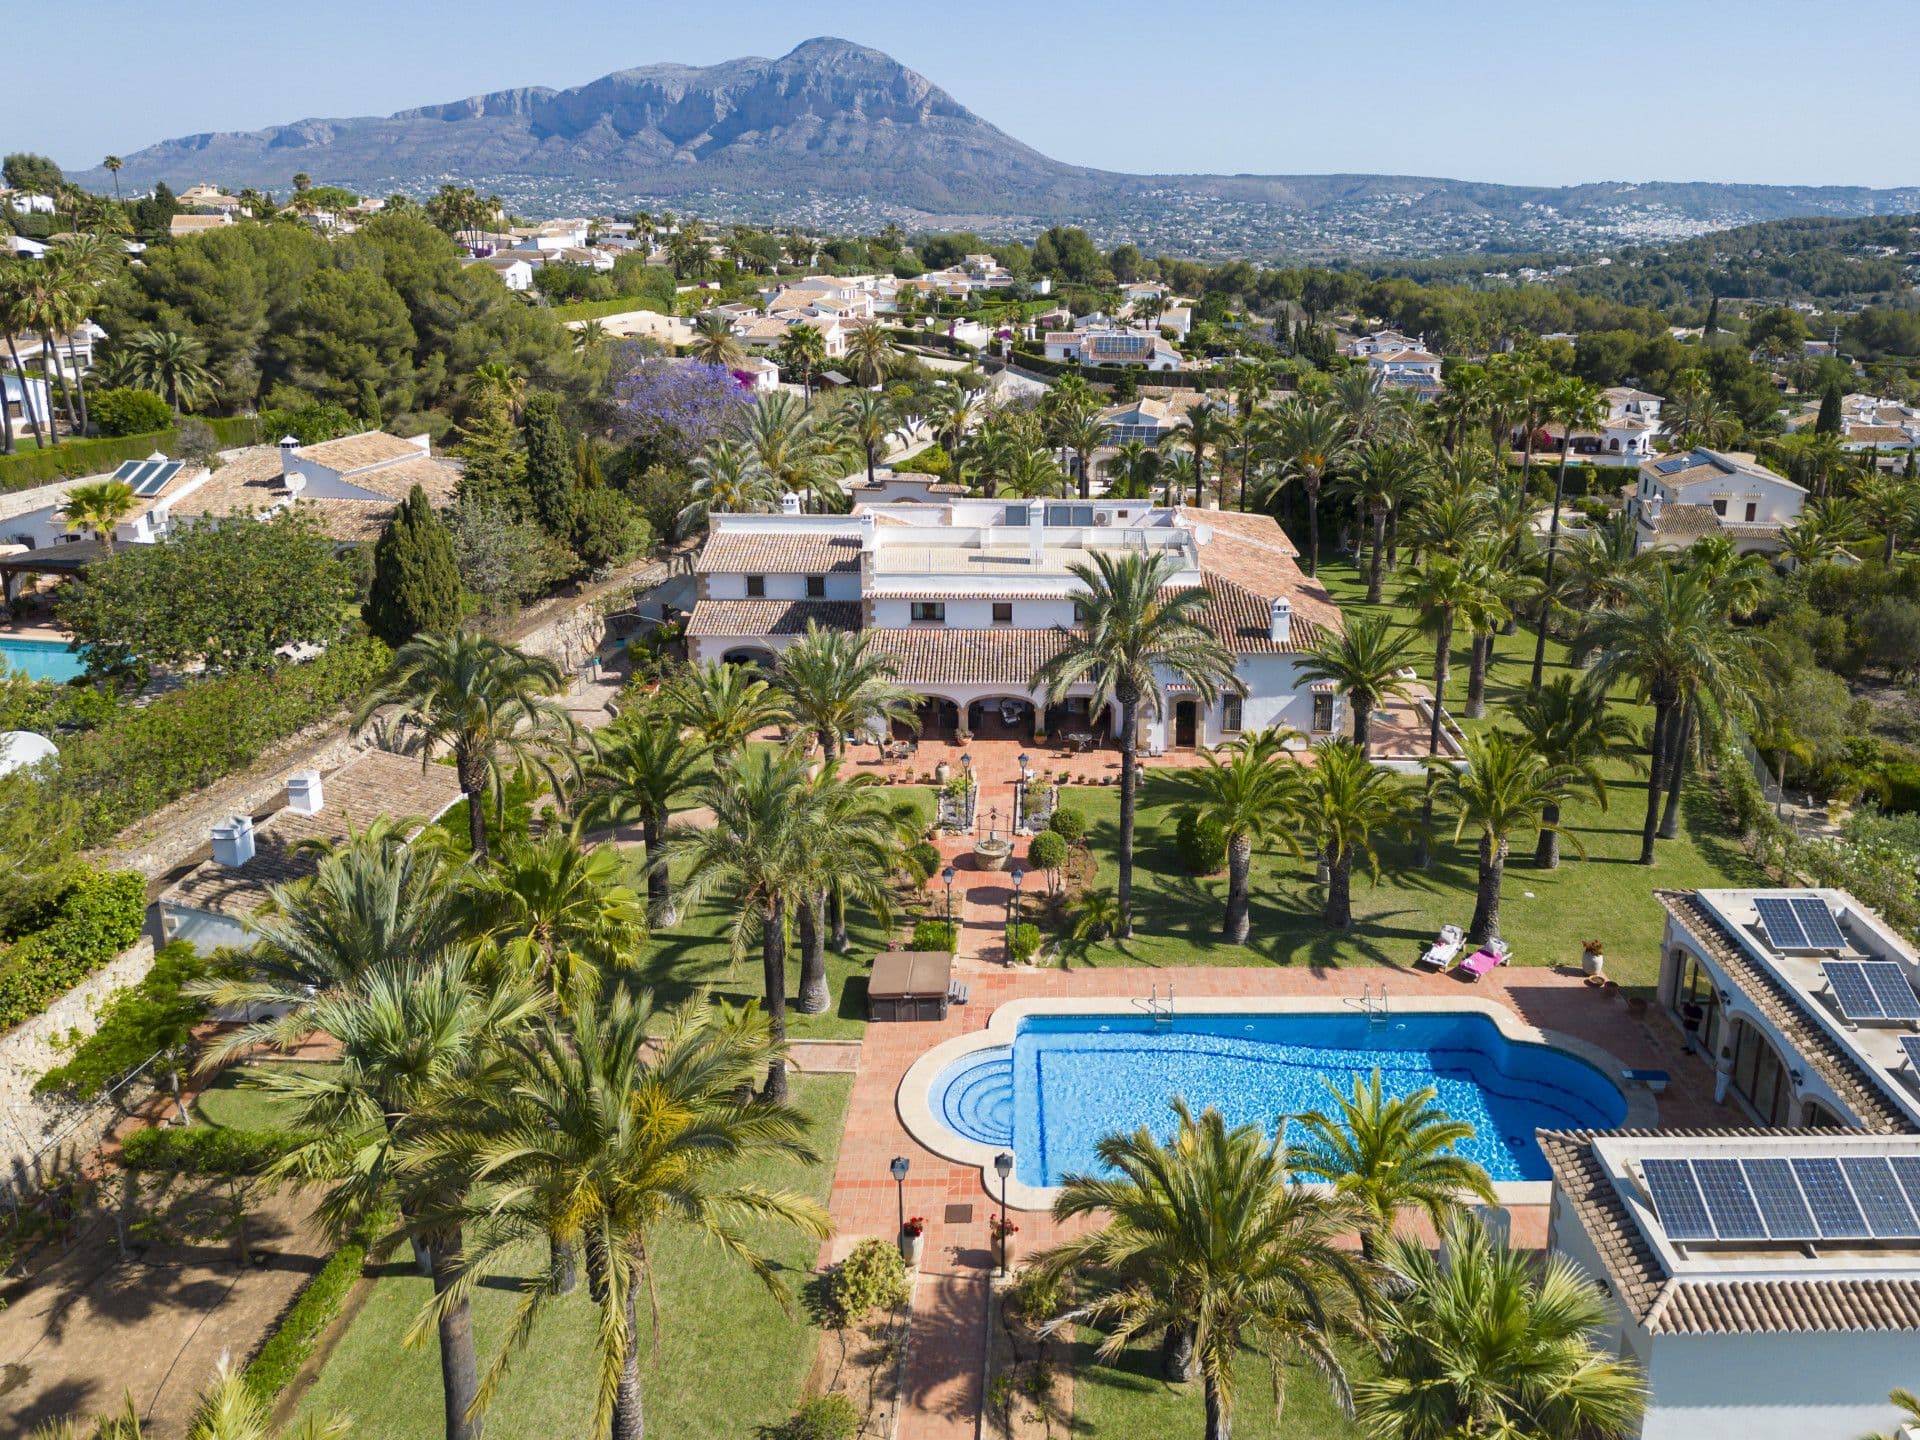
{"type": "Point", "coordinates": [1680, 498]}
{"type": "Point", "coordinates": [182, 226]}
{"type": "Point", "coordinates": [1868, 422]}
{"type": "Point", "coordinates": [37, 518]}
{"type": "Point", "coordinates": [1178, 319]}
{"type": "Point", "coordinates": [757, 373]}
{"type": "Point", "coordinates": [587, 257]}
{"type": "Point", "coordinates": [1625, 437]}
{"type": "Point", "coordinates": [205, 199]}
{"type": "Point", "coordinates": [514, 267]}
{"type": "Point", "coordinates": [969, 597]}
{"type": "Point", "coordinates": [211, 905]}
{"type": "Point", "coordinates": [891, 487]}
{"type": "Point", "coordinates": [72, 352]}
{"type": "Point", "coordinates": [669, 330]}
{"type": "Point", "coordinates": [1412, 369]}
{"type": "Point", "coordinates": [29, 202]}
{"type": "Point", "coordinates": [21, 248]}
{"type": "Point", "coordinates": [1380, 342]}
{"type": "Point", "coordinates": [351, 486]}
{"type": "Point", "coordinates": [25, 398]}
{"type": "Point", "coordinates": [1145, 348]}
{"type": "Point", "coordinates": [1147, 419]}
{"type": "Point", "coordinates": [551, 235]}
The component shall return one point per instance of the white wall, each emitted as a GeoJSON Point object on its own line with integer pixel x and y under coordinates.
{"type": "Point", "coordinates": [1775, 504]}
{"type": "Point", "coordinates": [841, 585]}
{"type": "Point", "coordinates": [1777, 1387]}
{"type": "Point", "coordinates": [976, 614]}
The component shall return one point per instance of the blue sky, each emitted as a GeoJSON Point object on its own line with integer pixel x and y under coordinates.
{"type": "Point", "coordinates": [1548, 92]}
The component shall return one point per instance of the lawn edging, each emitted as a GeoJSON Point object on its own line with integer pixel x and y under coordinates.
{"type": "Point", "coordinates": [294, 1340]}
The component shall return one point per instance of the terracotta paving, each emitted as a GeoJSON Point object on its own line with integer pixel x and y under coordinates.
{"type": "Point", "coordinates": [944, 1372]}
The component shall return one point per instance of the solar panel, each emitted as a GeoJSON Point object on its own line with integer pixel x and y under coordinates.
{"type": "Point", "coordinates": [1823, 931]}
{"type": "Point", "coordinates": [1911, 1045]}
{"type": "Point", "coordinates": [1907, 1168]}
{"type": "Point", "coordinates": [1676, 1200]}
{"type": "Point", "coordinates": [1781, 1204]}
{"type": "Point", "coordinates": [128, 469]}
{"type": "Point", "coordinates": [1851, 992]}
{"type": "Point", "coordinates": [1888, 981]}
{"type": "Point", "coordinates": [1878, 1192]}
{"type": "Point", "coordinates": [1783, 926]}
{"type": "Point", "coordinates": [1730, 1204]}
{"type": "Point", "coordinates": [1834, 1209]}
{"type": "Point", "coordinates": [155, 479]}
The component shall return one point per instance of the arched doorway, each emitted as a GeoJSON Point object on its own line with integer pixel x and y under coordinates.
{"type": "Point", "coordinates": [937, 719]}
{"type": "Point", "coordinates": [1001, 717]}
{"type": "Point", "coordinates": [1818, 1115]}
{"type": "Point", "coordinates": [1760, 1077]}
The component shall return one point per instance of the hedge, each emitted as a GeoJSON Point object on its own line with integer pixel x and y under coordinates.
{"type": "Point", "coordinates": [98, 918]}
{"type": "Point", "coordinates": [273, 1369]}
{"type": "Point", "coordinates": [73, 458]}
{"type": "Point", "coordinates": [206, 1150]}
{"type": "Point", "coordinates": [156, 1014]}
{"type": "Point", "coordinates": [152, 754]}
{"type": "Point", "coordinates": [600, 309]}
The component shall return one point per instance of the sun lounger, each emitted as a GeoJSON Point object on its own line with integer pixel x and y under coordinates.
{"type": "Point", "coordinates": [1444, 951]}
{"type": "Point", "coordinates": [1485, 961]}
{"type": "Point", "coordinates": [1654, 1080]}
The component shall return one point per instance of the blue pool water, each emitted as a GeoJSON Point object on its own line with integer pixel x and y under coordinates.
{"type": "Point", "coordinates": [42, 659]}
{"type": "Point", "coordinates": [1069, 1080]}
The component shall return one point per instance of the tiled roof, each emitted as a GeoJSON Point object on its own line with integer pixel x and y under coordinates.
{"type": "Point", "coordinates": [251, 483]}
{"type": "Point", "coordinates": [932, 656]}
{"type": "Point", "coordinates": [351, 452]}
{"type": "Point", "coordinates": [794, 553]}
{"type": "Point", "coordinates": [375, 785]}
{"type": "Point", "coordinates": [1724, 1304]}
{"type": "Point", "coordinates": [437, 477]}
{"type": "Point", "coordinates": [1247, 564]}
{"type": "Point", "coordinates": [1840, 1070]}
{"type": "Point", "coordinates": [1684, 521]}
{"type": "Point", "coordinates": [722, 618]}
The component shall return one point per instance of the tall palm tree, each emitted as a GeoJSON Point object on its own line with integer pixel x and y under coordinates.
{"type": "Point", "coordinates": [722, 704]}
{"type": "Point", "coordinates": [99, 506]}
{"type": "Point", "coordinates": [854, 841]}
{"type": "Point", "coordinates": [1573, 404]}
{"type": "Point", "coordinates": [1348, 801]}
{"type": "Point", "coordinates": [1890, 505]}
{"type": "Point", "coordinates": [1133, 469]}
{"type": "Point", "coordinates": [714, 342]}
{"type": "Point", "coordinates": [1207, 1239]}
{"type": "Point", "coordinates": [869, 419]}
{"type": "Point", "coordinates": [1176, 473]}
{"type": "Point", "coordinates": [556, 909]}
{"type": "Point", "coordinates": [1253, 792]}
{"type": "Point", "coordinates": [1572, 726]}
{"type": "Point", "coordinates": [1499, 587]}
{"type": "Point", "coordinates": [638, 770]}
{"type": "Point", "coordinates": [835, 685]}
{"type": "Point", "coordinates": [608, 1129]}
{"type": "Point", "coordinates": [1601, 566]}
{"type": "Point", "coordinates": [13, 324]}
{"type": "Point", "coordinates": [1437, 592]}
{"type": "Point", "coordinates": [1388, 1154]}
{"type": "Point", "coordinates": [1204, 430]}
{"type": "Point", "coordinates": [1250, 382]}
{"type": "Point", "coordinates": [487, 703]}
{"type": "Point", "coordinates": [1387, 475]}
{"type": "Point", "coordinates": [1493, 1342]}
{"type": "Point", "coordinates": [870, 351]}
{"type": "Point", "coordinates": [175, 365]}
{"type": "Point", "coordinates": [1082, 434]}
{"type": "Point", "coordinates": [495, 382]}
{"type": "Point", "coordinates": [727, 480]}
{"type": "Point", "coordinates": [112, 166]}
{"type": "Point", "coordinates": [51, 299]}
{"type": "Point", "coordinates": [788, 442]}
{"type": "Point", "coordinates": [1504, 787]}
{"type": "Point", "coordinates": [1309, 442]}
{"type": "Point", "coordinates": [802, 351]}
{"type": "Point", "coordinates": [1136, 629]}
{"type": "Point", "coordinates": [1363, 661]}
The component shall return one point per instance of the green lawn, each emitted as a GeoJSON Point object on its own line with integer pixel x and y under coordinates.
{"type": "Point", "coordinates": [1129, 1398]}
{"type": "Point", "coordinates": [729, 1360]}
{"type": "Point", "coordinates": [234, 1102]}
{"type": "Point", "coordinates": [1545, 915]}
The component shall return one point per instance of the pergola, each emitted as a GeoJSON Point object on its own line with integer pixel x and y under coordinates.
{"type": "Point", "coordinates": [47, 560]}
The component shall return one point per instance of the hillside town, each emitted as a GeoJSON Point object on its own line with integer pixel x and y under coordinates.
{"type": "Point", "coordinates": [619, 824]}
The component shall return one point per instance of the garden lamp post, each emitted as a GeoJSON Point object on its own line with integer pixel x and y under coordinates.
{"type": "Point", "coordinates": [1003, 1167]}
{"type": "Point", "coordinates": [899, 1169]}
{"type": "Point", "coordinates": [1013, 900]}
{"type": "Point", "coordinates": [946, 877]}
{"type": "Point", "coordinates": [1026, 768]}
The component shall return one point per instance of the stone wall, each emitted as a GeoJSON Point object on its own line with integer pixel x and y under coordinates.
{"type": "Point", "coordinates": [42, 1135]}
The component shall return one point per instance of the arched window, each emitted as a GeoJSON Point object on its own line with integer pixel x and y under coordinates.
{"type": "Point", "coordinates": [1821, 1116]}
{"type": "Point", "coordinates": [1760, 1077]}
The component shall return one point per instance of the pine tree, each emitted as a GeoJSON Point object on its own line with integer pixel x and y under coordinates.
{"type": "Point", "coordinates": [550, 464]}
{"type": "Point", "coordinates": [416, 585]}
{"type": "Point", "coordinates": [1713, 319]}
{"type": "Point", "coordinates": [587, 474]}
{"type": "Point", "coordinates": [495, 470]}
{"type": "Point", "coordinates": [1828, 422]}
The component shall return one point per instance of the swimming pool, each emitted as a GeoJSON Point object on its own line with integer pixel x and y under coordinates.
{"type": "Point", "coordinates": [42, 659]}
{"type": "Point", "coordinates": [1064, 1081]}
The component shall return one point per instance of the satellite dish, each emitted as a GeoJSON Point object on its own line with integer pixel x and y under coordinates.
{"type": "Point", "coordinates": [20, 749]}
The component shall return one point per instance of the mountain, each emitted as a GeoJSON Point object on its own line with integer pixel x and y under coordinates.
{"type": "Point", "coordinates": [843, 137]}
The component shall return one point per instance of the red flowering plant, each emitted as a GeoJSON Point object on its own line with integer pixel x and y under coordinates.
{"type": "Point", "coordinates": [916, 1226]}
{"type": "Point", "coordinates": [1002, 1227]}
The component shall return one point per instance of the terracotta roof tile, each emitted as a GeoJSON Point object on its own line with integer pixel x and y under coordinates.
{"type": "Point", "coordinates": [721, 618]}
{"type": "Point", "coordinates": [932, 657]}
{"type": "Point", "coordinates": [351, 452]}
{"type": "Point", "coordinates": [798, 553]}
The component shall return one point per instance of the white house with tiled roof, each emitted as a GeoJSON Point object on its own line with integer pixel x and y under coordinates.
{"type": "Point", "coordinates": [1679, 498]}
{"type": "Point", "coordinates": [1112, 346]}
{"type": "Point", "coordinates": [969, 597]}
{"type": "Point", "coordinates": [1868, 422]}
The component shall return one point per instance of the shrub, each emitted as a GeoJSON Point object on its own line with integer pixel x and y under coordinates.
{"type": "Point", "coordinates": [97, 457]}
{"type": "Point", "coordinates": [873, 1277]}
{"type": "Point", "coordinates": [93, 922]}
{"type": "Point", "coordinates": [1202, 843]}
{"type": "Point", "coordinates": [307, 1319]}
{"type": "Point", "coordinates": [142, 1020]}
{"type": "Point", "coordinates": [1023, 941]}
{"type": "Point", "coordinates": [1047, 850]}
{"type": "Point", "coordinates": [1069, 825]}
{"type": "Point", "coordinates": [1036, 1296]}
{"type": "Point", "coordinates": [933, 935]}
{"type": "Point", "coordinates": [205, 1150]}
{"type": "Point", "coordinates": [930, 461]}
{"type": "Point", "coordinates": [824, 1417]}
{"type": "Point", "coordinates": [1900, 787]}
{"type": "Point", "coordinates": [923, 861]}
{"type": "Point", "coordinates": [128, 411]}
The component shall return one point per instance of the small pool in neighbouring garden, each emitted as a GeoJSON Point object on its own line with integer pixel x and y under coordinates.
{"type": "Point", "coordinates": [1067, 1081]}
{"type": "Point", "coordinates": [42, 659]}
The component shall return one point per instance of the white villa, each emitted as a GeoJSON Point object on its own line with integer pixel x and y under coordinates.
{"type": "Point", "coordinates": [1680, 498]}
{"type": "Point", "coordinates": [969, 597]}
{"type": "Point", "coordinates": [1146, 348]}
{"type": "Point", "coordinates": [1416, 369]}
{"type": "Point", "coordinates": [1381, 342]}
{"type": "Point", "coordinates": [1869, 422]}
{"type": "Point", "coordinates": [1626, 437]}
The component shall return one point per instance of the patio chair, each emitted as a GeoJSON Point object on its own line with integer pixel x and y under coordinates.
{"type": "Point", "coordinates": [1444, 951]}
{"type": "Point", "coordinates": [958, 992]}
{"type": "Point", "coordinates": [1485, 961]}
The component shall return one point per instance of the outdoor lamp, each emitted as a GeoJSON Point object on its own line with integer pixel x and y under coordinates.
{"type": "Point", "coordinates": [946, 877]}
{"type": "Point", "coordinates": [1003, 1167]}
{"type": "Point", "coordinates": [899, 1169]}
{"type": "Point", "coordinates": [1018, 876]}
{"type": "Point", "coordinates": [1025, 767]}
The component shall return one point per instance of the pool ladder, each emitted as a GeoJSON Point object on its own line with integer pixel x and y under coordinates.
{"type": "Point", "coordinates": [1160, 1010]}
{"type": "Point", "coordinates": [1377, 1008]}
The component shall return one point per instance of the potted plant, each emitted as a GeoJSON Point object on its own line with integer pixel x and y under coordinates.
{"type": "Point", "coordinates": [1593, 957]}
{"type": "Point", "coordinates": [913, 1239]}
{"type": "Point", "coordinates": [1002, 1230]}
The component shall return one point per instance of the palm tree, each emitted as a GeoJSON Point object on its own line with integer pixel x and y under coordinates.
{"type": "Point", "coordinates": [99, 506]}
{"type": "Point", "coordinates": [722, 704]}
{"type": "Point", "coordinates": [1174, 473]}
{"type": "Point", "coordinates": [1132, 470]}
{"type": "Point", "coordinates": [1573, 405]}
{"type": "Point", "coordinates": [869, 419]}
{"type": "Point", "coordinates": [13, 324]}
{"type": "Point", "coordinates": [52, 300]}
{"type": "Point", "coordinates": [1348, 801]}
{"type": "Point", "coordinates": [1390, 1154]}
{"type": "Point", "coordinates": [112, 166]}
{"type": "Point", "coordinates": [1888, 504]}
{"type": "Point", "coordinates": [1203, 429]}
{"type": "Point", "coordinates": [638, 769]}
{"type": "Point", "coordinates": [1387, 475]}
{"type": "Point", "coordinates": [714, 342]}
{"type": "Point", "coordinates": [1135, 631]}
{"type": "Point", "coordinates": [1499, 587]}
{"type": "Point", "coordinates": [175, 365]}
{"type": "Point", "coordinates": [851, 846]}
{"type": "Point", "coordinates": [1250, 383]}
{"type": "Point", "coordinates": [1437, 592]}
{"type": "Point", "coordinates": [1505, 786]}
{"type": "Point", "coordinates": [1572, 726]}
{"type": "Point", "coordinates": [727, 480]}
{"type": "Point", "coordinates": [495, 382]}
{"type": "Point", "coordinates": [803, 351]}
{"type": "Point", "coordinates": [556, 909]}
{"type": "Point", "coordinates": [1363, 661]}
{"type": "Point", "coordinates": [870, 351]}
{"type": "Point", "coordinates": [1208, 1241]}
{"type": "Point", "coordinates": [488, 704]}
{"type": "Point", "coordinates": [1253, 793]}
{"type": "Point", "coordinates": [1908, 1403]}
{"type": "Point", "coordinates": [1494, 1342]}
{"type": "Point", "coordinates": [1601, 566]}
{"type": "Point", "coordinates": [758, 853]}
{"type": "Point", "coordinates": [1082, 434]}
{"type": "Point", "coordinates": [1309, 442]}
{"type": "Point", "coordinates": [607, 1130]}
{"type": "Point", "coordinates": [231, 1409]}
{"type": "Point", "coordinates": [836, 685]}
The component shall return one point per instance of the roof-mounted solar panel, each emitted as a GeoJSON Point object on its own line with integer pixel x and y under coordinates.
{"type": "Point", "coordinates": [1888, 981]}
{"type": "Point", "coordinates": [1830, 1198]}
{"type": "Point", "coordinates": [1730, 1204]}
{"type": "Point", "coordinates": [1822, 930]}
{"type": "Point", "coordinates": [155, 477]}
{"type": "Point", "coordinates": [1874, 1185]}
{"type": "Point", "coordinates": [1676, 1200]}
{"type": "Point", "coordinates": [1851, 991]}
{"type": "Point", "coordinates": [1784, 930]}
{"type": "Point", "coordinates": [1910, 1047]}
{"type": "Point", "coordinates": [1778, 1196]}
{"type": "Point", "coordinates": [1907, 1169]}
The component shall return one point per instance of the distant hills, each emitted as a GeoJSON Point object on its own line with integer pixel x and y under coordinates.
{"type": "Point", "coordinates": [844, 137]}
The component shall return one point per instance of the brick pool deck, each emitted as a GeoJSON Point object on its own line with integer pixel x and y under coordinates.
{"type": "Point", "coordinates": [945, 1363]}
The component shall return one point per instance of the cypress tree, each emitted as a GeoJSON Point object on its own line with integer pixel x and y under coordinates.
{"type": "Point", "coordinates": [416, 585]}
{"type": "Point", "coordinates": [1828, 422]}
{"type": "Point", "coordinates": [494, 472]}
{"type": "Point", "coordinates": [1713, 319]}
{"type": "Point", "coordinates": [550, 464]}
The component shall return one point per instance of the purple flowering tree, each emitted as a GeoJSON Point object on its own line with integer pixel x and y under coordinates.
{"type": "Point", "coordinates": [677, 404]}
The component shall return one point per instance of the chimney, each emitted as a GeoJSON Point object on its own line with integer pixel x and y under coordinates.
{"type": "Point", "coordinates": [1280, 625]}
{"type": "Point", "coordinates": [869, 533]}
{"type": "Point", "coordinates": [790, 503]}
{"type": "Point", "coordinates": [304, 795]}
{"type": "Point", "coordinates": [287, 446]}
{"type": "Point", "coordinates": [233, 841]}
